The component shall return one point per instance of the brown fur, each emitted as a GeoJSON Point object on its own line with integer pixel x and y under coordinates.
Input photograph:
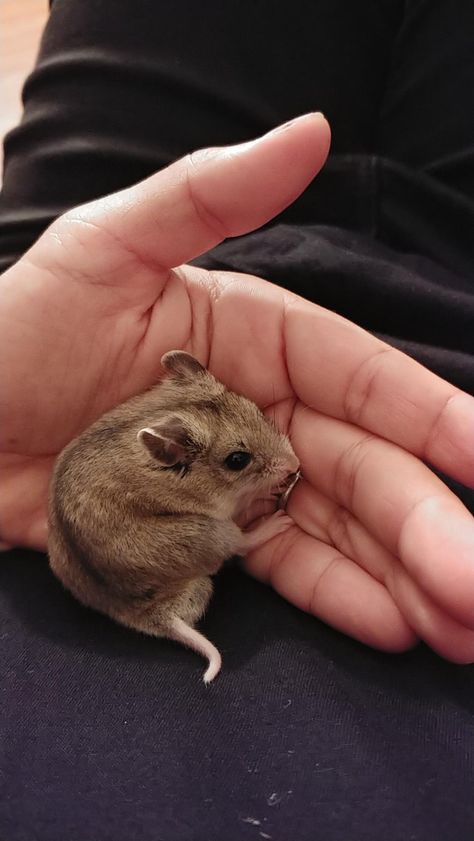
{"type": "Point", "coordinates": [136, 536]}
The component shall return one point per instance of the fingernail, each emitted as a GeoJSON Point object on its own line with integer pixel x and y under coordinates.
{"type": "Point", "coordinates": [290, 123]}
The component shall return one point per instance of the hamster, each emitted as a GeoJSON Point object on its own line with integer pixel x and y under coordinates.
{"type": "Point", "coordinates": [142, 504]}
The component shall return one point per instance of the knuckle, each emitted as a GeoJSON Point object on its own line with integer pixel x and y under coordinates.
{"type": "Point", "coordinates": [316, 589]}
{"type": "Point", "coordinates": [339, 530]}
{"type": "Point", "coordinates": [209, 218]}
{"type": "Point", "coordinates": [348, 468]}
{"type": "Point", "coordinates": [363, 384]}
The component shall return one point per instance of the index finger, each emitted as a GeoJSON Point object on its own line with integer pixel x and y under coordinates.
{"type": "Point", "coordinates": [341, 370]}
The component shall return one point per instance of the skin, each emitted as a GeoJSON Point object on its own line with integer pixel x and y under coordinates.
{"type": "Point", "coordinates": [380, 548]}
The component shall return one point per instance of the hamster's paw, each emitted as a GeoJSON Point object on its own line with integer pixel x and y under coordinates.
{"type": "Point", "coordinates": [276, 524]}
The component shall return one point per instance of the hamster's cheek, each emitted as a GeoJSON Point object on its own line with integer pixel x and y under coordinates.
{"type": "Point", "coordinates": [254, 510]}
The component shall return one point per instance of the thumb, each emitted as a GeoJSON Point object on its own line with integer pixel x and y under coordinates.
{"type": "Point", "coordinates": [192, 205]}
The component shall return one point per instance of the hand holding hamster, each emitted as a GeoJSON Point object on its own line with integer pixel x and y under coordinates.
{"type": "Point", "coordinates": [381, 548]}
{"type": "Point", "coordinates": [143, 503]}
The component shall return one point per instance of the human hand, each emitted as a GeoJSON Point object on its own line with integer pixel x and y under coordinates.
{"type": "Point", "coordinates": [380, 548]}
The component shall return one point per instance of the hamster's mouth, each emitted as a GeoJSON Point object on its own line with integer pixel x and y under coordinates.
{"type": "Point", "coordinates": [283, 490]}
{"type": "Point", "coordinates": [276, 498]}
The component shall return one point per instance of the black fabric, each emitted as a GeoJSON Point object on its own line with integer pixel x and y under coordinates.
{"type": "Point", "coordinates": [306, 734]}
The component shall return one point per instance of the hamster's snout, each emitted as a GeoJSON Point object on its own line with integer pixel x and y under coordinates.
{"type": "Point", "coordinates": [291, 479]}
{"type": "Point", "coordinates": [286, 487]}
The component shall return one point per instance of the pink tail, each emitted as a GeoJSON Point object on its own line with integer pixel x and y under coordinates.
{"type": "Point", "coordinates": [180, 632]}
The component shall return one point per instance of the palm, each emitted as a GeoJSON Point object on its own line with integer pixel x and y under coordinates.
{"type": "Point", "coordinates": [86, 316]}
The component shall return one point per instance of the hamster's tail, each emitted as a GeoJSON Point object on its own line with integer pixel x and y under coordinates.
{"type": "Point", "coordinates": [183, 633]}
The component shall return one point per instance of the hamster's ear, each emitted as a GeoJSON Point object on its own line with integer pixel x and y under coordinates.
{"type": "Point", "coordinates": [182, 365]}
{"type": "Point", "coordinates": [166, 442]}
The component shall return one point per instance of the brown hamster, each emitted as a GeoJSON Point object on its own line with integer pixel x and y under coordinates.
{"type": "Point", "coordinates": [142, 504]}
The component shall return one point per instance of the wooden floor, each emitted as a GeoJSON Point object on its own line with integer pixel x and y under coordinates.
{"type": "Point", "coordinates": [21, 24]}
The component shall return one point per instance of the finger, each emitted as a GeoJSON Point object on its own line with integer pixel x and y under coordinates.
{"type": "Point", "coordinates": [322, 518]}
{"type": "Point", "coordinates": [320, 580]}
{"type": "Point", "coordinates": [343, 371]}
{"type": "Point", "coordinates": [441, 632]}
{"type": "Point", "coordinates": [207, 196]}
{"type": "Point", "coordinates": [392, 493]}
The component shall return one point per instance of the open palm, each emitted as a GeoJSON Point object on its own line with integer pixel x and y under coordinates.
{"type": "Point", "coordinates": [380, 547]}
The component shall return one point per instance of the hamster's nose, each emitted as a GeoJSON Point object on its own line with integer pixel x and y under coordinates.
{"type": "Point", "coordinates": [293, 464]}
{"type": "Point", "coordinates": [291, 479]}
{"type": "Point", "coordinates": [286, 487]}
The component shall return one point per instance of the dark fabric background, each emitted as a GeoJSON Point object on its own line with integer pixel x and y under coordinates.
{"type": "Point", "coordinates": [306, 734]}
{"type": "Point", "coordinates": [106, 735]}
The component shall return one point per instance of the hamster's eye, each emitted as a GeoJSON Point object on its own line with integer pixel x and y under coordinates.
{"type": "Point", "coordinates": [237, 460]}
